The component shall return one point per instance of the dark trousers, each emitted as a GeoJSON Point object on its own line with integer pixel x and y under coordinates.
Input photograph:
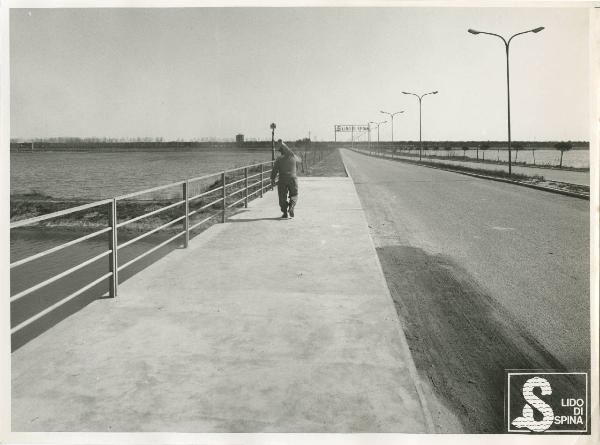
{"type": "Point", "coordinates": [285, 187]}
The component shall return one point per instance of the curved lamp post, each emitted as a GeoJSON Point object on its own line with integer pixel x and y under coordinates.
{"type": "Point", "coordinates": [369, 126]}
{"type": "Point", "coordinates": [378, 124]}
{"type": "Point", "coordinates": [506, 45]}
{"type": "Point", "coordinates": [391, 115]}
{"type": "Point", "coordinates": [420, 99]}
{"type": "Point", "coordinates": [273, 126]}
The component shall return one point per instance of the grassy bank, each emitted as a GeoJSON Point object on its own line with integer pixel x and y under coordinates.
{"type": "Point", "coordinates": [491, 161]}
{"type": "Point", "coordinates": [480, 171]}
{"type": "Point", "coordinates": [330, 164]}
{"type": "Point", "coordinates": [536, 180]}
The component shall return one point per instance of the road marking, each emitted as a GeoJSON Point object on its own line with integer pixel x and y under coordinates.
{"type": "Point", "coordinates": [502, 229]}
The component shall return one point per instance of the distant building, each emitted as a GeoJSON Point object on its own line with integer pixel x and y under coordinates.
{"type": "Point", "coordinates": [239, 139]}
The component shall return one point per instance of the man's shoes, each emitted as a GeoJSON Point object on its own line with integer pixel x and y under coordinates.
{"type": "Point", "coordinates": [284, 216]}
{"type": "Point", "coordinates": [291, 210]}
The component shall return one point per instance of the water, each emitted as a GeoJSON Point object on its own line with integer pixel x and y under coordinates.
{"type": "Point", "coordinates": [95, 175]}
{"type": "Point", "coordinates": [573, 158]}
{"type": "Point", "coordinates": [92, 176]}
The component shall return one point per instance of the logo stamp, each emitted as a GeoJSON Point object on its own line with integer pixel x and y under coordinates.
{"type": "Point", "coordinates": [546, 402]}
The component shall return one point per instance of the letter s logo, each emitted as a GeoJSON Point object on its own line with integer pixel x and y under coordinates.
{"type": "Point", "coordinates": [533, 401]}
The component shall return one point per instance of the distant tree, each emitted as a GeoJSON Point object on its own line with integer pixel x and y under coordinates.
{"type": "Point", "coordinates": [435, 148]}
{"type": "Point", "coordinates": [562, 147]}
{"type": "Point", "coordinates": [484, 148]}
{"type": "Point", "coordinates": [448, 150]}
{"type": "Point", "coordinates": [465, 149]}
{"type": "Point", "coordinates": [533, 153]}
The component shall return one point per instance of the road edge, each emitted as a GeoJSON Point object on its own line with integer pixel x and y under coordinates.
{"type": "Point", "coordinates": [476, 175]}
{"type": "Point", "coordinates": [412, 368]}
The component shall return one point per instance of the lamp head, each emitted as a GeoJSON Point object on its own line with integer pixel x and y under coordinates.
{"type": "Point", "coordinates": [472, 31]}
{"type": "Point", "coordinates": [536, 30]}
{"type": "Point", "coordinates": [404, 92]}
{"type": "Point", "coordinates": [434, 92]}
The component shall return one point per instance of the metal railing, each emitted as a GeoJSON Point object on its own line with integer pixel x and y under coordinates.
{"type": "Point", "coordinates": [227, 189]}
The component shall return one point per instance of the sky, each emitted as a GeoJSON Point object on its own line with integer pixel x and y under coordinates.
{"type": "Point", "coordinates": [188, 73]}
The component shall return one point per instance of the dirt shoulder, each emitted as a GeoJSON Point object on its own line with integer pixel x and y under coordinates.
{"type": "Point", "coordinates": [330, 165]}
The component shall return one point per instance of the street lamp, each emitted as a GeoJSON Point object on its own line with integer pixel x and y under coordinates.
{"type": "Point", "coordinates": [506, 45]}
{"type": "Point", "coordinates": [369, 127]}
{"type": "Point", "coordinates": [420, 98]}
{"type": "Point", "coordinates": [378, 124]}
{"type": "Point", "coordinates": [273, 126]}
{"type": "Point", "coordinates": [392, 118]}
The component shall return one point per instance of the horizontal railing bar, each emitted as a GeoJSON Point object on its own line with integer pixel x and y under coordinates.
{"type": "Point", "coordinates": [247, 166]}
{"type": "Point", "coordinates": [260, 163]}
{"type": "Point", "coordinates": [203, 221]}
{"type": "Point", "coordinates": [25, 222]}
{"type": "Point", "coordinates": [154, 212]}
{"type": "Point", "coordinates": [155, 248]}
{"type": "Point", "coordinates": [254, 183]}
{"type": "Point", "coordinates": [131, 241]}
{"type": "Point", "coordinates": [236, 192]}
{"type": "Point", "coordinates": [205, 193]}
{"type": "Point", "coordinates": [233, 170]}
{"type": "Point", "coordinates": [208, 205]}
{"type": "Point", "coordinates": [235, 203]}
{"type": "Point", "coordinates": [58, 277]}
{"type": "Point", "coordinates": [199, 178]}
{"type": "Point", "coordinates": [37, 219]}
{"type": "Point", "coordinates": [57, 248]}
{"type": "Point", "coordinates": [59, 303]}
{"type": "Point", "coordinates": [235, 182]}
{"type": "Point", "coordinates": [254, 193]}
{"type": "Point", "coordinates": [153, 189]}
{"type": "Point", "coordinates": [253, 176]}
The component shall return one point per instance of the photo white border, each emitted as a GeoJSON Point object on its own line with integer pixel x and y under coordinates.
{"type": "Point", "coordinates": [7, 436]}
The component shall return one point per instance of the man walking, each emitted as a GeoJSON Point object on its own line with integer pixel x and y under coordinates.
{"type": "Point", "coordinates": [285, 166]}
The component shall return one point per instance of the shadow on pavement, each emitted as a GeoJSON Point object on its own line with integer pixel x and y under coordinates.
{"type": "Point", "coordinates": [461, 339]}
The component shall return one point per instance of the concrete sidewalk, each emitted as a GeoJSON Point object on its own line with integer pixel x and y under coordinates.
{"type": "Point", "coordinates": [261, 325]}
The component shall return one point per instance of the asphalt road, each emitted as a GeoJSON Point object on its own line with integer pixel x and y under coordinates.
{"type": "Point", "coordinates": [485, 276]}
{"type": "Point", "coordinates": [568, 176]}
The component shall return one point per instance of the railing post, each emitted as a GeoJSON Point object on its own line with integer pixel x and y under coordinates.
{"type": "Point", "coordinates": [186, 220]}
{"type": "Point", "coordinates": [246, 176]}
{"type": "Point", "coordinates": [113, 263]}
{"type": "Point", "coordinates": [223, 217]}
{"type": "Point", "coordinates": [272, 166]}
{"type": "Point", "coordinates": [262, 169]}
